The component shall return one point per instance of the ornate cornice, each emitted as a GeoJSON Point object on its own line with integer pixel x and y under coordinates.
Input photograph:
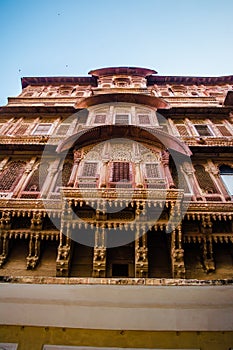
{"type": "Point", "coordinates": [187, 80]}
{"type": "Point", "coordinates": [42, 109]}
{"type": "Point", "coordinates": [25, 81]}
{"type": "Point", "coordinates": [197, 111]}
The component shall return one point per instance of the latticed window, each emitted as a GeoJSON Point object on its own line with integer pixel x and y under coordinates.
{"type": "Point", "coordinates": [66, 172]}
{"type": "Point", "coordinates": [226, 173]}
{"type": "Point", "coordinates": [203, 130]}
{"type": "Point", "coordinates": [62, 129]}
{"type": "Point", "coordinates": [37, 179]}
{"type": "Point", "coordinates": [42, 129]}
{"type": "Point", "coordinates": [152, 170]}
{"type": "Point", "coordinates": [223, 130]}
{"type": "Point", "coordinates": [122, 119]}
{"type": "Point", "coordinates": [21, 130]}
{"type": "Point", "coordinates": [144, 119]}
{"type": "Point", "coordinates": [182, 129]}
{"type": "Point", "coordinates": [11, 175]}
{"type": "Point", "coordinates": [204, 180]}
{"type": "Point", "coordinates": [89, 169]}
{"type": "Point", "coordinates": [100, 119]}
{"type": "Point", "coordinates": [121, 172]}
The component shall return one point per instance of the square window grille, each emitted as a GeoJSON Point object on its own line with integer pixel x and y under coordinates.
{"type": "Point", "coordinates": [152, 170]}
{"type": "Point", "coordinates": [122, 119]}
{"type": "Point", "coordinates": [144, 119]}
{"type": "Point", "coordinates": [89, 169]}
{"type": "Point", "coordinates": [100, 119]}
{"type": "Point", "coordinates": [42, 129]}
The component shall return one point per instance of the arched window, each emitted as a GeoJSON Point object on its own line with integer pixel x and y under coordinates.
{"type": "Point", "coordinates": [11, 175]}
{"type": "Point", "coordinates": [37, 179]}
{"type": "Point", "coordinates": [226, 173]}
{"type": "Point", "coordinates": [204, 180]}
{"type": "Point", "coordinates": [66, 172]}
{"type": "Point", "coordinates": [63, 176]}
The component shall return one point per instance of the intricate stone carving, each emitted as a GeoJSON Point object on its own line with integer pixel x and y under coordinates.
{"type": "Point", "coordinates": [206, 247]}
{"type": "Point", "coordinates": [141, 262]}
{"type": "Point", "coordinates": [34, 252]}
{"type": "Point", "coordinates": [63, 260]}
{"type": "Point", "coordinates": [165, 162]}
{"type": "Point", "coordinates": [4, 247]}
{"type": "Point", "coordinates": [178, 267]}
{"type": "Point", "coordinates": [5, 221]}
{"type": "Point", "coordinates": [99, 262]}
{"type": "Point", "coordinates": [36, 221]}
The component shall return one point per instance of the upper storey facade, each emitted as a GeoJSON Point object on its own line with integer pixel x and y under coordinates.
{"type": "Point", "coordinates": [193, 107]}
{"type": "Point", "coordinates": [177, 90]}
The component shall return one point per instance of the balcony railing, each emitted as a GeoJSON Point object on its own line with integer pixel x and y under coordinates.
{"type": "Point", "coordinates": [122, 193]}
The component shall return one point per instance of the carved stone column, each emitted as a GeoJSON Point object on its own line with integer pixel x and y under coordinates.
{"type": "Point", "coordinates": [165, 162]}
{"type": "Point", "coordinates": [207, 249]}
{"type": "Point", "coordinates": [177, 253]}
{"type": "Point", "coordinates": [4, 248]}
{"type": "Point", "coordinates": [214, 173]}
{"type": "Point", "coordinates": [34, 242]}
{"type": "Point", "coordinates": [103, 174]}
{"type": "Point", "coordinates": [3, 163]}
{"type": "Point", "coordinates": [5, 224]}
{"type": "Point", "coordinates": [34, 251]}
{"type": "Point", "coordinates": [99, 258]}
{"type": "Point", "coordinates": [189, 170]}
{"type": "Point", "coordinates": [51, 178]}
{"type": "Point", "coordinates": [64, 258]}
{"type": "Point", "coordinates": [138, 175]}
{"type": "Point", "coordinates": [77, 159]}
{"type": "Point", "coordinates": [65, 246]}
{"type": "Point", "coordinates": [24, 177]}
{"type": "Point", "coordinates": [141, 255]}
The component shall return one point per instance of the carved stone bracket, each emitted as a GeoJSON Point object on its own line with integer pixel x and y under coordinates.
{"type": "Point", "coordinates": [36, 221]}
{"type": "Point", "coordinates": [5, 221]}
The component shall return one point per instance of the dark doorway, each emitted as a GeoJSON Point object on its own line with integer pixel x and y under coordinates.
{"type": "Point", "coordinates": [159, 254]}
{"type": "Point", "coordinates": [120, 270]}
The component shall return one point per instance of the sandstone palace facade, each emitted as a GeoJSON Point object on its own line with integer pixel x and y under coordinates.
{"type": "Point", "coordinates": [116, 185]}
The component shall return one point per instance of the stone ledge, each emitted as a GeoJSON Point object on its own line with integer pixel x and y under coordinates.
{"type": "Point", "coordinates": [114, 281]}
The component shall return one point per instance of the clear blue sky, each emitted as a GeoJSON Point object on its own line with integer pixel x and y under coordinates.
{"type": "Point", "coordinates": [71, 37]}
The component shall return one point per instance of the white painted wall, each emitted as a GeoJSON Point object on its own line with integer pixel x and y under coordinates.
{"type": "Point", "coordinates": [207, 308]}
